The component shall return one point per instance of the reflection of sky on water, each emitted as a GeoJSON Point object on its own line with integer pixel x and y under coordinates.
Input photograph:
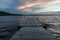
{"type": "Point", "coordinates": [55, 20]}
{"type": "Point", "coordinates": [8, 24]}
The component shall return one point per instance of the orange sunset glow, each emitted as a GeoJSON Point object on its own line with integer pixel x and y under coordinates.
{"type": "Point", "coordinates": [46, 4]}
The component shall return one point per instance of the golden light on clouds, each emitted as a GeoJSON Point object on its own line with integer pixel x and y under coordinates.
{"type": "Point", "coordinates": [47, 5]}
{"type": "Point", "coordinates": [29, 4]}
{"type": "Point", "coordinates": [28, 10]}
{"type": "Point", "coordinates": [50, 7]}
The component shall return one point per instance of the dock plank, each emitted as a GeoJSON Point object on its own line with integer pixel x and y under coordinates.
{"type": "Point", "coordinates": [30, 22]}
{"type": "Point", "coordinates": [33, 33]}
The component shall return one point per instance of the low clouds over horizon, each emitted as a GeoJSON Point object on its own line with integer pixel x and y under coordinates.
{"type": "Point", "coordinates": [37, 6]}
{"type": "Point", "coordinates": [33, 6]}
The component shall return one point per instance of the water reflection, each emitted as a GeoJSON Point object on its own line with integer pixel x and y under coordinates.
{"type": "Point", "coordinates": [54, 20]}
{"type": "Point", "coordinates": [8, 26]}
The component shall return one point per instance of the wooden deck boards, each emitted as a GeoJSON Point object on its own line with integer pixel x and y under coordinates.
{"type": "Point", "coordinates": [33, 33]}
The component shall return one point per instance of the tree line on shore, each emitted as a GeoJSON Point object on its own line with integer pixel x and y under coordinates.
{"type": "Point", "coordinates": [2, 13]}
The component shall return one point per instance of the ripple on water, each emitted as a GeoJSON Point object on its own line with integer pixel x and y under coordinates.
{"type": "Point", "coordinates": [8, 26]}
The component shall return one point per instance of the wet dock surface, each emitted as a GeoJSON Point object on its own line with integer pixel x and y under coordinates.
{"type": "Point", "coordinates": [32, 30]}
{"type": "Point", "coordinates": [30, 22]}
{"type": "Point", "coordinates": [33, 33]}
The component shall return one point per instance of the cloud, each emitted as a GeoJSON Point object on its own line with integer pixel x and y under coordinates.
{"type": "Point", "coordinates": [36, 6]}
{"type": "Point", "coordinates": [30, 3]}
{"type": "Point", "coordinates": [9, 5]}
{"type": "Point", "coordinates": [33, 9]}
{"type": "Point", "coordinates": [33, 6]}
{"type": "Point", "coordinates": [53, 6]}
{"type": "Point", "coordinates": [5, 4]}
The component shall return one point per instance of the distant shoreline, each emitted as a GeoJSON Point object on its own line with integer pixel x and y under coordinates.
{"type": "Point", "coordinates": [11, 15]}
{"type": "Point", "coordinates": [2, 13]}
{"type": "Point", "coordinates": [31, 15]}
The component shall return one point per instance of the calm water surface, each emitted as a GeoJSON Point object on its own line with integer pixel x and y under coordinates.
{"type": "Point", "coordinates": [8, 26]}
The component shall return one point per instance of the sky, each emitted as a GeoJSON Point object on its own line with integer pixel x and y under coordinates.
{"type": "Point", "coordinates": [30, 6]}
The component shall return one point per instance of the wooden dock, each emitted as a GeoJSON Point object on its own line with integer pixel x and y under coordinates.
{"type": "Point", "coordinates": [30, 22]}
{"type": "Point", "coordinates": [30, 31]}
{"type": "Point", "coordinates": [33, 33]}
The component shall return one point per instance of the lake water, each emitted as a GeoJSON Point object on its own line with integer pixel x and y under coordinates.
{"type": "Point", "coordinates": [8, 24]}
